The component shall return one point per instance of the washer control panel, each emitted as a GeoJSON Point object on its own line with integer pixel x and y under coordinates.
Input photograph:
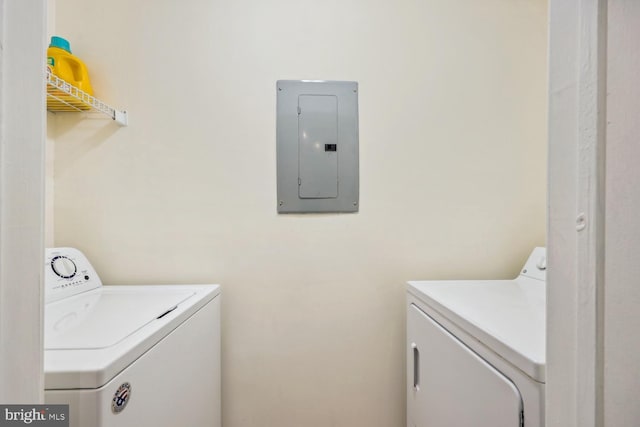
{"type": "Point", "coordinates": [64, 266]}
{"type": "Point", "coordinates": [67, 272]}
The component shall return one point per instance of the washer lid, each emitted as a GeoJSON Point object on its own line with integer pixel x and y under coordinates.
{"type": "Point", "coordinates": [93, 336]}
{"type": "Point", "coordinates": [105, 316]}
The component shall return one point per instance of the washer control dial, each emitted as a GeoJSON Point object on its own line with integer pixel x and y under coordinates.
{"type": "Point", "coordinates": [64, 267]}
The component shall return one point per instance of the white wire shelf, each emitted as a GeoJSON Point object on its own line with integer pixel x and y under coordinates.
{"type": "Point", "coordinates": [64, 97]}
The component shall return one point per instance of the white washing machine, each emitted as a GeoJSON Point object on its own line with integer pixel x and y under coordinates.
{"type": "Point", "coordinates": [129, 355]}
{"type": "Point", "coordinates": [476, 350]}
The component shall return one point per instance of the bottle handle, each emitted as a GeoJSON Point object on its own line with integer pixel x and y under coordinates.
{"type": "Point", "coordinates": [78, 69]}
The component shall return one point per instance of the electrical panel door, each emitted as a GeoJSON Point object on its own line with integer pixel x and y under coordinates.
{"type": "Point", "coordinates": [318, 146]}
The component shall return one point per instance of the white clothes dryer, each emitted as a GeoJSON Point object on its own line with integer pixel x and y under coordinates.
{"type": "Point", "coordinates": [129, 355]}
{"type": "Point", "coordinates": [476, 350]}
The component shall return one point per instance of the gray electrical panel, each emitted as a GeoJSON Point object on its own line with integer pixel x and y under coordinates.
{"type": "Point", "coordinates": [317, 146]}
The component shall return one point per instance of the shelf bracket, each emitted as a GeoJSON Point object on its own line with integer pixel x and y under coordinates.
{"type": "Point", "coordinates": [64, 97]}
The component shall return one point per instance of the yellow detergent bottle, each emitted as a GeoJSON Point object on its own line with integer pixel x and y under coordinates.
{"type": "Point", "coordinates": [67, 66]}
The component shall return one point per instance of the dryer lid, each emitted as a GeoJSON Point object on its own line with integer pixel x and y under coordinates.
{"type": "Point", "coordinates": [507, 316]}
{"type": "Point", "coordinates": [103, 317]}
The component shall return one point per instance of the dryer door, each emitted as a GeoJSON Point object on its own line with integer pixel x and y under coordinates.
{"type": "Point", "coordinates": [448, 385]}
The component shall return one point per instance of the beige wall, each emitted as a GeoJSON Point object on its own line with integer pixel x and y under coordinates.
{"type": "Point", "coordinates": [452, 177]}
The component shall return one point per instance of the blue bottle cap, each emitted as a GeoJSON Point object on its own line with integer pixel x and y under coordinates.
{"type": "Point", "coordinates": [61, 43]}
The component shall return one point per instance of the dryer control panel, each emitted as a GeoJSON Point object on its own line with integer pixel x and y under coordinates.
{"type": "Point", "coordinates": [536, 265]}
{"type": "Point", "coordinates": [67, 272]}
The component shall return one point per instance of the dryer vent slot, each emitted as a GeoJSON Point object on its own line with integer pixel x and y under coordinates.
{"type": "Point", "coordinates": [167, 312]}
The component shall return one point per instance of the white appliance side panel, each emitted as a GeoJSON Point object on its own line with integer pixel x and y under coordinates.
{"type": "Point", "coordinates": [448, 385]}
{"type": "Point", "coordinates": [175, 383]}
